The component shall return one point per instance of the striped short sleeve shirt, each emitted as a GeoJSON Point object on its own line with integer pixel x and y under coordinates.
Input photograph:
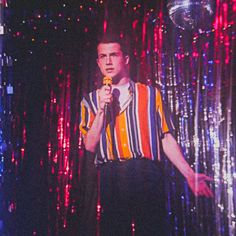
{"type": "Point", "coordinates": [132, 132]}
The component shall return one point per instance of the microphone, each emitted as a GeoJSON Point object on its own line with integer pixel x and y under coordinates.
{"type": "Point", "coordinates": [107, 80]}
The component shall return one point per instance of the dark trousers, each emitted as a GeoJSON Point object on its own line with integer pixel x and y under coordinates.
{"type": "Point", "coordinates": [132, 192]}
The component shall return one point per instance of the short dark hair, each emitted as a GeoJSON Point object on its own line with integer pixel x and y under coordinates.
{"type": "Point", "coordinates": [114, 38]}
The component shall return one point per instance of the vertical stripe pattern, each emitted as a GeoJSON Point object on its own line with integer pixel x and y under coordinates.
{"type": "Point", "coordinates": [133, 133]}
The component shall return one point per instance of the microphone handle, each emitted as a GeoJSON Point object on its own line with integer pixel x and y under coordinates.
{"type": "Point", "coordinates": [105, 108]}
{"type": "Point", "coordinates": [107, 104]}
{"type": "Point", "coordinates": [109, 83]}
{"type": "Point", "coordinates": [105, 115]}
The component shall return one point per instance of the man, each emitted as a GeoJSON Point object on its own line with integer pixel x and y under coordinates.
{"type": "Point", "coordinates": [126, 125]}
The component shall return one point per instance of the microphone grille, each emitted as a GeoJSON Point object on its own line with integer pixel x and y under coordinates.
{"type": "Point", "coordinates": [107, 80]}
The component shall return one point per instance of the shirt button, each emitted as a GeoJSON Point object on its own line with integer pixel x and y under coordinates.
{"type": "Point", "coordinates": [122, 129]}
{"type": "Point", "coordinates": [124, 144]}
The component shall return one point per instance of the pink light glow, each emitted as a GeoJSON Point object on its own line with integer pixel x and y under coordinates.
{"type": "Point", "coordinates": [98, 208]}
{"type": "Point", "coordinates": [156, 39]}
{"type": "Point", "coordinates": [144, 31]}
{"type": "Point", "coordinates": [134, 24]}
{"type": "Point", "coordinates": [12, 157]}
{"type": "Point", "coordinates": [4, 2]}
{"type": "Point", "coordinates": [227, 49]}
{"type": "Point", "coordinates": [24, 134]}
{"type": "Point", "coordinates": [105, 26]}
{"type": "Point", "coordinates": [195, 54]}
{"type": "Point", "coordinates": [67, 195]}
{"type": "Point", "coordinates": [22, 152]}
{"type": "Point", "coordinates": [225, 14]}
{"type": "Point", "coordinates": [234, 5]}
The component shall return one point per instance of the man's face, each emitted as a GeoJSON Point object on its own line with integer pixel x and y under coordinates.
{"type": "Point", "coordinates": [112, 61]}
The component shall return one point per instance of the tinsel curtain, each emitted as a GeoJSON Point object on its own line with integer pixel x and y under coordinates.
{"type": "Point", "coordinates": [50, 185]}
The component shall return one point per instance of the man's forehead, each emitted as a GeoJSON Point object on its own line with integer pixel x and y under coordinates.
{"type": "Point", "coordinates": [108, 47]}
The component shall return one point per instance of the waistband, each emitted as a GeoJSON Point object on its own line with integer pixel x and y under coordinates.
{"type": "Point", "coordinates": [127, 161]}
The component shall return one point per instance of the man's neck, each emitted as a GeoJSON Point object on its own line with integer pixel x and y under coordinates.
{"type": "Point", "coordinates": [124, 80]}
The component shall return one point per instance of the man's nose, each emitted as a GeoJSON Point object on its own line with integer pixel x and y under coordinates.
{"type": "Point", "coordinates": [108, 60]}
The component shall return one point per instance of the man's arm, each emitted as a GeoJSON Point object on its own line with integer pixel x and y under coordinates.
{"type": "Point", "coordinates": [92, 137]}
{"type": "Point", "coordinates": [197, 182]}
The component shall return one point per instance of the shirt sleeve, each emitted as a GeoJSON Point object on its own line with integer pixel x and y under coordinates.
{"type": "Point", "coordinates": [86, 117]}
{"type": "Point", "coordinates": [164, 120]}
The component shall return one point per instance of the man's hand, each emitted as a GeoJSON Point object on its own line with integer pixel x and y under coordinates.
{"type": "Point", "coordinates": [198, 185]}
{"type": "Point", "coordinates": [197, 182]}
{"type": "Point", "coordinates": [105, 96]}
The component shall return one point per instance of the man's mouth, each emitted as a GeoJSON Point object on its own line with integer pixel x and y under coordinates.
{"type": "Point", "coordinates": [109, 70]}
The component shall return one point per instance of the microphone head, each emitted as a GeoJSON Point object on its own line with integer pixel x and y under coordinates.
{"type": "Point", "coordinates": [107, 80]}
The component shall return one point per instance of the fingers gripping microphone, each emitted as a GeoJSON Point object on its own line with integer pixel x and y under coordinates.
{"type": "Point", "coordinates": [107, 80]}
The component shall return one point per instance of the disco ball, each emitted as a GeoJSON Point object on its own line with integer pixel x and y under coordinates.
{"type": "Point", "coordinates": [193, 15]}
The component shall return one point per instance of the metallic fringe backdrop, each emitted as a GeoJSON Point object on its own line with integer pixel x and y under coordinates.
{"type": "Point", "coordinates": [48, 55]}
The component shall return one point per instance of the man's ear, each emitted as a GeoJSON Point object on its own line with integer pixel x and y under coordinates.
{"type": "Point", "coordinates": [126, 60]}
{"type": "Point", "coordinates": [98, 63]}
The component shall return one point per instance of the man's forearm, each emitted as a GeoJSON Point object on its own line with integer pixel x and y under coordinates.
{"type": "Point", "coordinates": [174, 153]}
{"type": "Point", "coordinates": [92, 138]}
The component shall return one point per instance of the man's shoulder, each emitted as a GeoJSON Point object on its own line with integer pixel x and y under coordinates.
{"type": "Point", "coordinates": [143, 86]}
{"type": "Point", "coordinates": [90, 100]}
{"type": "Point", "coordinates": [89, 95]}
